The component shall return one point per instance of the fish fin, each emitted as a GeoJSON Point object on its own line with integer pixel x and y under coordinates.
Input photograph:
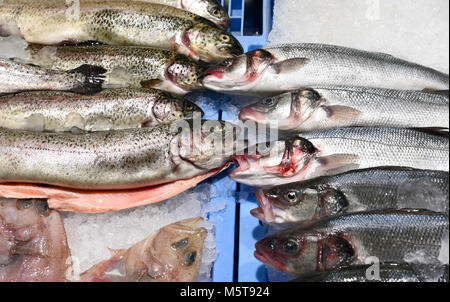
{"type": "Point", "coordinates": [89, 43]}
{"type": "Point", "coordinates": [341, 113]}
{"type": "Point", "coordinates": [289, 65]}
{"type": "Point", "coordinates": [76, 130]}
{"type": "Point", "coordinates": [338, 163]}
{"type": "Point", "coordinates": [444, 93]}
{"type": "Point", "coordinates": [93, 82]}
{"type": "Point", "coordinates": [154, 83]}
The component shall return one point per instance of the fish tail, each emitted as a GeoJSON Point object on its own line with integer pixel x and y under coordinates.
{"type": "Point", "coordinates": [93, 79]}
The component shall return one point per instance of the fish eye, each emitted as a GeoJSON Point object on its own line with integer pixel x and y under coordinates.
{"type": "Point", "coordinates": [227, 62]}
{"type": "Point", "coordinates": [42, 208]}
{"type": "Point", "coordinates": [269, 101]}
{"type": "Point", "coordinates": [291, 246]}
{"type": "Point", "coordinates": [190, 257]}
{"type": "Point", "coordinates": [225, 38]}
{"type": "Point", "coordinates": [180, 244]}
{"type": "Point", "coordinates": [291, 197]}
{"type": "Point", "coordinates": [189, 106]}
{"type": "Point", "coordinates": [24, 204]}
{"type": "Point", "coordinates": [215, 12]}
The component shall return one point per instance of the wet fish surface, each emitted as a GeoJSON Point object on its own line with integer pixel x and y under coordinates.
{"type": "Point", "coordinates": [319, 108]}
{"type": "Point", "coordinates": [111, 109]}
{"type": "Point", "coordinates": [15, 76]}
{"type": "Point", "coordinates": [118, 23]}
{"type": "Point", "coordinates": [331, 152]}
{"type": "Point", "coordinates": [172, 254]}
{"type": "Point", "coordinates": [355, 191]}
{"type": "Point", "coordinates": [388, 272]}
{"type": "Point", "coordinates": [113, 160]}
{"type": "Point", "coordinates": [352, 239]}
{"type": "Point", "coordinates": [278, 69]}
{"type": "Point", "coordinates": [126, 66]}
{"type": "Point", "coordinates": [33, 244]}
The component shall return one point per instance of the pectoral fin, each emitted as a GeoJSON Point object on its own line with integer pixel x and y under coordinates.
{"type": "Point", "coordinates": [338, 163]}
{"type": "Point", "coordinates": [289, 65]}
{"type": "Point", "coordinates": [154, 83]}
{"type": "Point", "coordinates": [341, 114]}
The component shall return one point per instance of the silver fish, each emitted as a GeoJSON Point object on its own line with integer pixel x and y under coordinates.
{"type": "Point", "coordinates": [318, 108]}
{"type": "Point", "coordinates": [16, 77]}
{"type": "Point", "coordinates": [283, 68]}
{"type": "Point", "coordinates": [330, 152]}
{"type": "Point", "coordinates": [111, 109]}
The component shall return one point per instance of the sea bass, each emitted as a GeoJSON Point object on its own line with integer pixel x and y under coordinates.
{"type": "Point", "coordinates": [283, 68]}
{"type": "Point", "coordinates": [336, 107]}
{"type": "Point", "coordinates": [126, 66]}
{"type": "Point", "coordinates": [173, 254]}
{"type": "Point", "coordinates": [352, 239]}
{"type": "Point", "coordinates": [113, 109]}
{"type": "Point", "coordinates": [386, 272]}
{"type": "Point", "coordinates": [112, 170]}
{"type": "Point", "coordinates": [118, 23]}
{"type": "Point", "coordinates": [330, 152]}
{"type": "Point", "coordinates": [354, 191]}
{"type": "Point", "coordinates": [33, 244]}
{"type": "Point", "coordinates": [209, 9]}
{"type": "Point", "coordinates": [15, 76]}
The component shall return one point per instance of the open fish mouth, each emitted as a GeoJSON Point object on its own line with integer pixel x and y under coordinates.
{"type": "Point", "coordinates": [270, 261]}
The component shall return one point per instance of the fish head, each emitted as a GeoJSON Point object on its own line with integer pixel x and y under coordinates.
{"type": "Point", "coordinates": [167, 108]}
{"type": "Point", "coordinates": [211, 43]}
{"type": "Point", "coordinates": [207, 144]}
{"type": "Point", "coordinates": [305, 250]}
{"type": "Point", "coordinates": [209, 9]}
{"type": "Point", "coordinates": [185, 74]}
{"type": "Point", "coordinates": [281, 162]}
{"type": "Point", "coordinates": [287, 111]}
{"type": "Point", "coordinates": [299, 202]}
{"type": "Point", "coordinates": [240, 73]}
{"type": "Point", "coordinates": [175, 252]}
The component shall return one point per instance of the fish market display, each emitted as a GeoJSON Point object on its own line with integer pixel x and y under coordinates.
{"type": "Point", "coordinates": [118, 23]}
{"type": "Point", "coordinates": [209, 9]}
{"type": "Point", "coordinates": [351, 239]}
{"type": "Point", "coordinates": [334, 107]}
{"type": "Point", "coordinates": [331, 152]}
{"type": "Point", "coordinates": [33, 245]}
{"type": "Point", "coordinates": [113, 109]}
{"type": "Point", "coordinates": [126, 66]}
{"type": "Point", "coordinates": [282, 68]}
{"type": "Point", "coordinates": [16, 76]}
{"type": "Point", "coordinates": [146, 165]}
{"type": "Point", "coordinates": [388, 272]}
{"type": "Point", "coordinates": [172, 254]}
{"type": "Point", "coordinates": [354, 191]}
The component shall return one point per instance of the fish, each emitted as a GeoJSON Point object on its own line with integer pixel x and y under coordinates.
{"type": "Point", "coordinates": [111, 109]}
{"type": "Point", "coordinates": [208, 9]}
{"type": "Point", "coordinates": [16, 76]}
{"type": "Point", "coordinates": [172, 254]}
{"type": "Point", "coordinates": [387, 272]}
{"type": "Point", "coordinates": [355, 191]}
{"type": "Point", "coordinates": [118, 23]}
{"type": "Point", "coordinates": [104, 171]}
{"type": "Point", "coordinates": [330, 152]}
{"type": "Point", "coordinates": [138, 67]}
{"type": "Point", "coordinates": [320, 108]}
{"type": "Point", "coordinates": [283, 68]}
{"type": "Point", "coordinates": [33, 243]}
{"type": "Point", "coordinates": [353, 239]}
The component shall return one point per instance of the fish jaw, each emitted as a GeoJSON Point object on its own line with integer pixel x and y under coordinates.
{"type": "Point", "coordinates": [103, 201]}
{"type": "Point", "coordinates": [268, 257]}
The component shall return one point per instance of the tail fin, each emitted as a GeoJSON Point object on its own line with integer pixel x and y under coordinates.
{"type": "Point", "coordinates": [94, 80]}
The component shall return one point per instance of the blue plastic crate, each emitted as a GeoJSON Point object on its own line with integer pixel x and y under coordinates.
{"type": "Point", "coordinates": [237, 231]}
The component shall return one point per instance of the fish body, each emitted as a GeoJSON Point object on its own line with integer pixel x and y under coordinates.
{"type": "Point", "coordinates": [282, 68]}
{"type": "Point", "coordinates": [330, 152]}
{"type": "Point", "coordinates": [33, 244]}
{"type": "Point", "coordinates": [112, 160]}
{"type": "Point", "coordinates": [111, 109]}
{"type": "Point", "coordinates": [173, 254]}
{"type": "Point", "coordinates": [355, 191]}
{"type": "Point", "coordinates": [15, 76]}
{"type": "Point", "coordinates": [353, 239]}
{"type": "Point", "coordinates": [118, 23]}
{"type": "Point", "coordinates": [126, 66]}
{"type": "Point", "coordinates": [319, 108]}
{"type": "Point", "coordinates": [386, 272]}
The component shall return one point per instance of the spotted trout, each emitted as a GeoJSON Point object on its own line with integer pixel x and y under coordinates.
{"type": "Point", "coordinates": [278, 69]}
{"type": "Point", "coordinates": [118, 23]}
{"type": "Point", "coordinates": [111, 109]}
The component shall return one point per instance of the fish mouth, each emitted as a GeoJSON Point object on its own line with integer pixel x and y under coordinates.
{"type": "Point", "coordinates": [270, 261]}
{"type": "Point", "coordinates": [265, 206]}
{"type": "Point", "coordinates": [248, 114]}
